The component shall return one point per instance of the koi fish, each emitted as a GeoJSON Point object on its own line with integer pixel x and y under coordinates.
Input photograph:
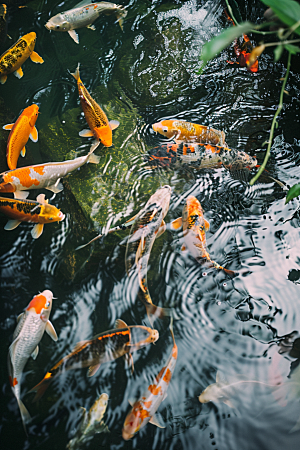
{"type": "Point", "coordinates": [145, 409]}
{"type": "Point", "coordinates": [41, 176]}
{"type": "Point", "coordinates": [243, 53]}
{"type": "Point", "coordinates": [182, 131]}
{"type": "Point", "coordinates": [201, 156]}
{"type": "Point", "coordinates": [83, 15]}
{"type": "Point", "coordinates": [96, 118]}
{"type": "Point", "coordinates": [39, 212]}
{"type": "Point", "coordinates": [30, 329]}
{"type": "Point", "coordinates": [105, 347]}
{"type": "Point", "coordinates": [194, 226]}
{"type": "Point", "coordinates": [91, 424]}
{"type": "Point", "coordinates": [147, 225]}
{"type": "Point", "coordinates": [13, 58]}
{"type": "Point", "coordinates": [23, 129]}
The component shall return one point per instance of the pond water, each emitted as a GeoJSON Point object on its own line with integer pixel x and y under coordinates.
{"type": "Point", "coordinates": [245, 328]}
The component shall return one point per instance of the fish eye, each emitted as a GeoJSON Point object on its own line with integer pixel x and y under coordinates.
{"type": "Point", "coordinates": [165, 129]}
{"type": "Point", "coordinates": [204, 274]}
{"type": "Point", "coordinates": [48, 304]}
{"type": "Point", "coordinates": [57, 27]}
{"type": "Point", "coordinates": [50, 218]}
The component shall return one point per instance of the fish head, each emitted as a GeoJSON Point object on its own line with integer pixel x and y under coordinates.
{"type": "Point", "coordinates": [98, 409]}
{"type": "Point", "coordinates": [242, 161]}
{"type": "Point", "coordinates": [161, 198]}
{"type": "Point", "coordinates": [32, 113]}
{"type": "Point", "coordinates": [166, 128]}
{"type": "Point", "coordinates": [58, 23]}
{"type": "Point", "coordinates": [141, 336]}
{"type": "Point", "coordinates": [104, 134]}
{"type": "Point", "coordinates": [41, 304]}
{"type": "Point", "coordinates": [49, 213]}
{"type": "Point", "coordinates": [6, 186]}
{"type": "Point", "coordinates": [30, 39]}
{"type": "Point", "coordinates": [192, 213]}
{"type": "Point", "coordinates": [132, 423]}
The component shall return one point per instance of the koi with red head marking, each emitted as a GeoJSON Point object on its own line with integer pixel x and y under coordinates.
{"type": "Point", "coordinates": [200, 156]}
{"type": "Point", "coordinates": [147, 226]}
{"type": "Point", "coordinates": [30, 329]}
{"type": "Point", "coordinates": [105, 347]}
{"type": "Point", "coordinates": [23, 129]}
{"type": "Point", "coordinates": [194, 227]}
{"type": "Point", "coordinates": [145, 409]}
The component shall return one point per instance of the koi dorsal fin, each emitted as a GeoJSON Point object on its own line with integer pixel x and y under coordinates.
{"type": "Point", "coordinates": [120, 324]}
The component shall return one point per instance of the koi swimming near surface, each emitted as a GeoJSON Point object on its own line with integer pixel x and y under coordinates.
{"type": "Point", "coordinates": [200, 156]}
{"type": "Point", "coordinates": [41, 175]}
{"type": "Point", "coordinates": [83, 15]}
{"type": "Point", "coordinates": [100, 127]}
{"type": "Point", "coordinates": [91, 423]}
{"type": "Point", "coordinates": [39, 212]}
{"type": "Point", "coordinates": [145, 409]}
{"type": "Point", "coordinates": [23, 129]}
{"type": "Point", "coordinates": [105, 347]}
{"type": "Point", "coordinates": [13, 58]}
{"type": "Point", "coordinates": [148, 224]}
{"type": "Point", "coordinates": [32, 324]}
{"type": "Point", "coordinates": [194, 227]}
{"type": "Point", "coordinates": [182, 131]}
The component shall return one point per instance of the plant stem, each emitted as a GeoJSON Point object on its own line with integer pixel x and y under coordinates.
{"type": "Point", "coordinates": [262, 167]}
{"type": "Point", "coordinates": [272, 44]}
{"type": "Point", "coordinates": [231, 12]}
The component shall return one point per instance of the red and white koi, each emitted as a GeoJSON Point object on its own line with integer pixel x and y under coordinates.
{"type": "Point", "coordinates": [41, 176]}
{"type": "Point", "coordinates": [32, 324]}
{"type": "Point", "coordinates": [145, 409]}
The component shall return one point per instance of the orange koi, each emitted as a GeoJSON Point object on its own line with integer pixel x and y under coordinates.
{"type": "Point", "coordinates": [96, 118]}
{"type": "Point", "coordinates": [105, 347]}
{"type": "Point", "coordinates": [32, 324]}
{"type": "Point", "coordinates": [23, 129]}
{"type": "Point", "coordinates": [194, 227]}
{"type": "Point", "coordinates": [145, 409]}
{"type": "Point", "coordinates": [39, 212]}
{"type": "Point", "coordinates": [243, 53]}
{"type": "Point", "coordinates": [13, 58]}
{"type": "Point", "coordinates": [182, 131]}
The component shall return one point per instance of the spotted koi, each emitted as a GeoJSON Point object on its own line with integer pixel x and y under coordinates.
{"type": "Point", "coordinates": [145, 409]}
{"type": "Point", "coordinates": [96, 118]}
{"type": "Point", "coordinates": [13, 58]}
{"type": "Point", "coordinates": [105, 347]}
{"type": "Point", "coordinates": [39, 212]}
{"type": "Point", "coordinates": [30, 329]}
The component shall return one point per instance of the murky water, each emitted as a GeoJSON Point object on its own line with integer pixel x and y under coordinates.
{"type": "Point", "coordinates": [233, 327]}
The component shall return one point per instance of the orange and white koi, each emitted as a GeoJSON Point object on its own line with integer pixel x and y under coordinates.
{"type": "Point", "coordinates": [200, 156]}
{"type": "Point", "coordinates": [39, 212]}
{"type": "Point", "coordinates": [182, 131]}
{"type": "Point", "coordinates": [105, 347]}
{"type": "Point", "coordinates": [148, 224]}
{"type": "Point", "coordinates": [83, 15]}
{"type": "Point", "coordinates": [194, 227]}
{"type": "Point", "coordinates": [96, 118]}
{"type": "Point", "coordinates": [32, 324]}
{"type": "Point", "coordinates": [145, 409]}
{"type": "Point", "coordinates": [13, 58]}
{"type": "Point", "coordinates": [41, 176]}
{"type": "Point", "coordinates": [23, 129]}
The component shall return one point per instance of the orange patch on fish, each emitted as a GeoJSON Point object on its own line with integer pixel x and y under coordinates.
{"type": "Point", "coordinates": [13, 382]}
{"type": "Point", "coordinates": [154, 389]}
{"type": "Point", "coordinates": [39, 170]}
{"type": "Point", "coordinates": [38, 303]}
{"type": "Point", "coordinates": [167, 376]}
{"type": "Point", "coordinates": [148, 404]}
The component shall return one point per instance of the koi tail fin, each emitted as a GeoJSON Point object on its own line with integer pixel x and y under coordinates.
{"type": "Point", "coordinates": [40, 388]}
{"type": "Point", "coordinates": [76, 74]}
{"type": "Point", "coordinates": [24, 414]}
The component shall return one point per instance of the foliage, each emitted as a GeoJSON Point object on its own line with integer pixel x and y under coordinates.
{"type": "Point", "coordinates": [288, 13]}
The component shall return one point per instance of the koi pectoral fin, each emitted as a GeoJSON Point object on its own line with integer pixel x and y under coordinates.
{"type": "Point", "coordinates": [35, 352]}
{"type": "Point", "coordinates": [51, 331]}
{"type": "Point", "coordinates": [12, 224]}
{"type": "Point", "coordinates": [21, 194]}
{"type": "Point", "coordinates": [114, 124]}
{"type": "Point", "coordinates": [93, 369]}
{"type": "Point", "coordinates": [19, 73]}
{"type": "Point", "coordinates": [23, 152]}
{"type": "Point", "coordinates": [36, 58]}
{"type": "Point", "coordinates": [8, 126]}
{"type": "Point", "coordinates": [3, 79]}
{"type": "Point", "coordinates": [157, 420]}
{"type": "Point", "coordinates": [34, 135]}
{"type": "Point", "coordinates": [37, 230]}
{"type": "Point", "coordinates": [74, 36]}
{"type": "Point", "coordinates": [176, 224]}
{"type": "Point", "coordinates": [41, 387]}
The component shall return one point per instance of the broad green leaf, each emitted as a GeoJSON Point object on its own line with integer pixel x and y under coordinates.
{"type": "Point", "coordinates": [278, 52]}
{"type": "Point", "coordinates": [218, 43]}
{"type": "Point", "coordinates": [293, 49]}
{"type": "Point", "coordinates": [293, 192]}
{"type": "Point", "coordinates": [288, 11]}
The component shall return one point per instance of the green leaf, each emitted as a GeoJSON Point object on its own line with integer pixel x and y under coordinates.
{"type": "Point", "coordinates": [218, 43]}
{"type": "Point", "coordinates": [293, 192]}
{"type": "Point", "coordinates": [236, 10]}
{"type": "Point", "coordinates": [293, 49]}
{"type": "Point", "coordinates": [278, 52]}
{"type": "Point", "coordinates": [287, 11]}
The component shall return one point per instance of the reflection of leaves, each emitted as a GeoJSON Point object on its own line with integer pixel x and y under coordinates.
{"type": "Point", "coordinates": [287, 11]}
{"type": "Point", "coordinates": [217, 44]}
{"type": "Point", "coordinates": [293, 192]}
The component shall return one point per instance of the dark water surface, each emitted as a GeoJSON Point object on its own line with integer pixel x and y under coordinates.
{"type": "Point", "coordinates": [241, 328]}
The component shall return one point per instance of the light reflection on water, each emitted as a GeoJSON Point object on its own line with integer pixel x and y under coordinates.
{"type": "Point", "coordinates": [227, 325]}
